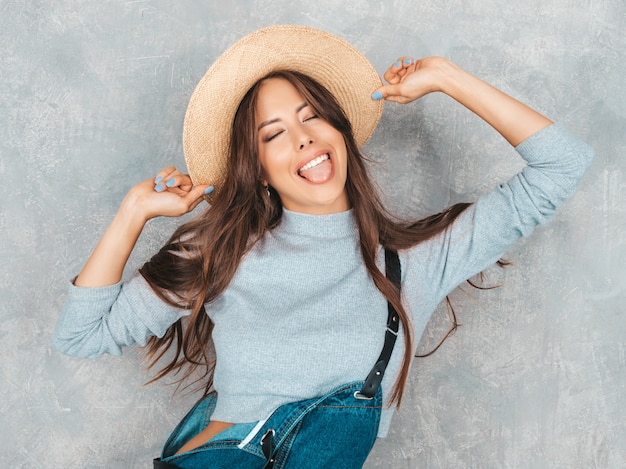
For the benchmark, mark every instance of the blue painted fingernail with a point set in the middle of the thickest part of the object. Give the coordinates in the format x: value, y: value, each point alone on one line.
x: 408, y: 61
x: 170, y: 182
x: 158, y: 179
x: 397, y: 64
x: 208, y: 190
x: 159, y: 188
x: 376, y: 95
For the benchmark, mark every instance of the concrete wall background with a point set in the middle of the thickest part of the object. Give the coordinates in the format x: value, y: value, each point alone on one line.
x: 92, y: 98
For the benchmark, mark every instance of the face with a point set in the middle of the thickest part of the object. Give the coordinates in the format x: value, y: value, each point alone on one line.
x: 302, y: 156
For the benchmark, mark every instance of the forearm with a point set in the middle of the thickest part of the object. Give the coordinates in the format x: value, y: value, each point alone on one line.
x: 106, y: 264
x: 411, y: 79
x: 514, y: 120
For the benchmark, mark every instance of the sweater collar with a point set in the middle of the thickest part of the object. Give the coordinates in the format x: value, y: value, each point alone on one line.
x: 334, y: 225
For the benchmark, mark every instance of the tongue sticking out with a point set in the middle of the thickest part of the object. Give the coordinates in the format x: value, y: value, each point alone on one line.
x: 319, y: 173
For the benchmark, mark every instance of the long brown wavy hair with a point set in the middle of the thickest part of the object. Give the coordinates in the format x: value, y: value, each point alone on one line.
x: 200, y: 259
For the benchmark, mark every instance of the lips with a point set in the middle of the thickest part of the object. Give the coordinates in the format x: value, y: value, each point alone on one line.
x: 314, y: 162
x: 317, y: 170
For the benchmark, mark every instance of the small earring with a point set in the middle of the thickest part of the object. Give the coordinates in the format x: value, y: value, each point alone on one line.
x: 267, y: 188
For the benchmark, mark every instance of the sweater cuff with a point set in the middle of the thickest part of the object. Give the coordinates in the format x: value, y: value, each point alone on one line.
x: 93, y: 294
x: 550, y: 144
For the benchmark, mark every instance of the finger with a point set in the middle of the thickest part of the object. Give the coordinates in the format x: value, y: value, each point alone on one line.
x: 398, y: 99
x: 390, y: 93
x: 178, y: 181
x: 407, y: 66
x: 399, y: 69
x: 172, y: 179
x: 196, y: 195
x: 161, y: 177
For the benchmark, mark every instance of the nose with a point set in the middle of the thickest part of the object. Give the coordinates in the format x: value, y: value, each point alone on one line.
x: 305, y: 143
x: 302, y: 138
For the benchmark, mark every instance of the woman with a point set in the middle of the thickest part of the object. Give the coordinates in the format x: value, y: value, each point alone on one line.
x: 282, y: 274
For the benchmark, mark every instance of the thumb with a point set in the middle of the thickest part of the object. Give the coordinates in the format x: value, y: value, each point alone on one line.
x: 390, y: 93
x: 196, y: 195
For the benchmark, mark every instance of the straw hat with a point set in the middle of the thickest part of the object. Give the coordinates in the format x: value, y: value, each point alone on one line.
x: 330, y: 60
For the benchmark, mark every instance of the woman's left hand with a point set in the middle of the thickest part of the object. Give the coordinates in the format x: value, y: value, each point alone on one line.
x: 410, y: 79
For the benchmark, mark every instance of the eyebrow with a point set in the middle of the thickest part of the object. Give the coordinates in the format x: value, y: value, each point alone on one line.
x: 272, y: 121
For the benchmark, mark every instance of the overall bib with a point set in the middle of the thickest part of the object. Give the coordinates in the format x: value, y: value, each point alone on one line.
x: 335, y: 430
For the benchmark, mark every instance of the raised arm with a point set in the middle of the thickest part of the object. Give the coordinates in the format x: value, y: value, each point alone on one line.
x: 556, y: 160
x: 169, y: 194
x: 411, y: 79
x: 110, y: 315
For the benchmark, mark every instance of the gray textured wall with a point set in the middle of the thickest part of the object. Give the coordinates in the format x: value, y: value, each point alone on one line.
x: 92, y: 98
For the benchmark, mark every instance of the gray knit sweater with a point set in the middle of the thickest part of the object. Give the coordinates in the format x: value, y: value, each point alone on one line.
x: 302, y: 315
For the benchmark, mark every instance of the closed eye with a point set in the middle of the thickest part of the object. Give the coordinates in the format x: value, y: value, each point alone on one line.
x: 271, y: 137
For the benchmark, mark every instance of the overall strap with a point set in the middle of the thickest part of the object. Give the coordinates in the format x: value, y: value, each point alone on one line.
x: 375, y: 377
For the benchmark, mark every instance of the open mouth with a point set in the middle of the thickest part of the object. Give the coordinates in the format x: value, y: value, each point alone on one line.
x: 317, y: 170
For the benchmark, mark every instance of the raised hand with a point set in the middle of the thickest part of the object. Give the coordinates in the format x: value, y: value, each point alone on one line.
x: 410, y: 79
x: 170, y: 194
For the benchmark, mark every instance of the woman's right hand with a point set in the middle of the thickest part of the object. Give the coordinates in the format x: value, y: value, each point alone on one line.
x: 170, y: 194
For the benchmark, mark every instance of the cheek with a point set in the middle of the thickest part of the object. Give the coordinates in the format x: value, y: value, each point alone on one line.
x: 274, y: 155
x: 270, y: 165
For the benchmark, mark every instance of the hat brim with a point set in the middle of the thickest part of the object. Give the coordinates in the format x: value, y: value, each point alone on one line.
x: 327, y: 58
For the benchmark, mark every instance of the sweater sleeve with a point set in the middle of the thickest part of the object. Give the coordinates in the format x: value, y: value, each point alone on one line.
x: 102, y: 320
x: 556, y: 161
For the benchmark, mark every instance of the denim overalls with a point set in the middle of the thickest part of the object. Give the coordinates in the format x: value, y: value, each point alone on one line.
x: 335, y: 430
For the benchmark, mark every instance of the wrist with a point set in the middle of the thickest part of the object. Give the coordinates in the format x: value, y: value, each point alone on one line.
x: 450, y: 77
x: 132, y: 211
